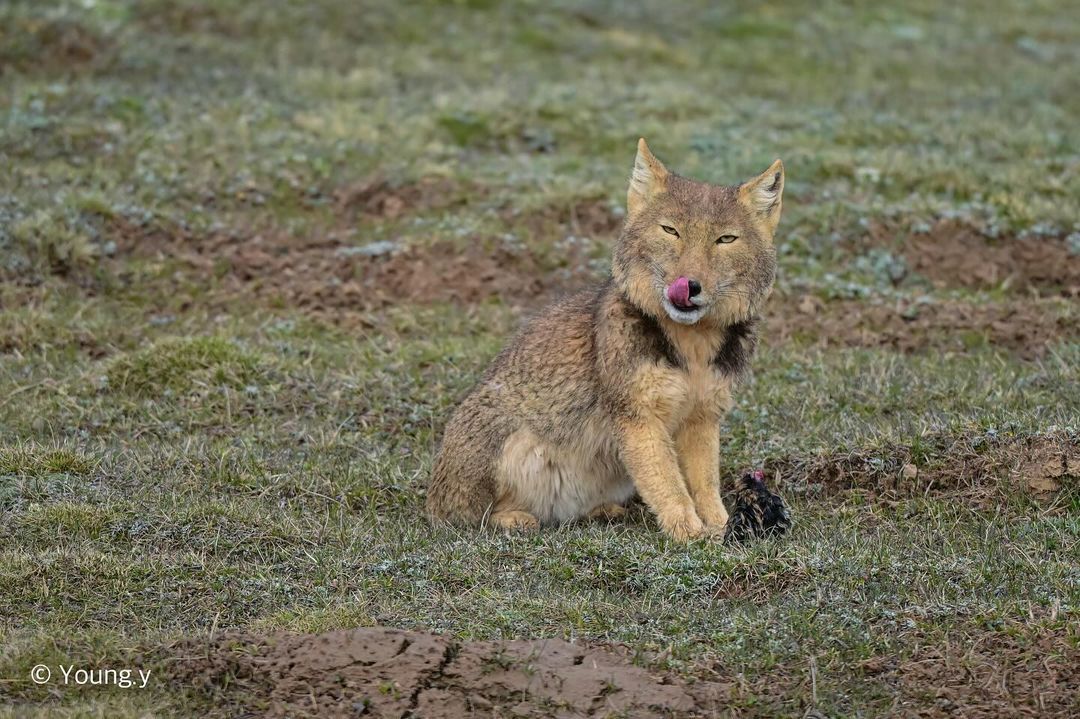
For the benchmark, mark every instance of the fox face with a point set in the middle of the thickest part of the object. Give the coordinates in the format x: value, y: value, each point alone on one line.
x: 695, y: 252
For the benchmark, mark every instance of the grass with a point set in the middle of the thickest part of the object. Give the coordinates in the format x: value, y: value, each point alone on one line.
x: 202, y: 430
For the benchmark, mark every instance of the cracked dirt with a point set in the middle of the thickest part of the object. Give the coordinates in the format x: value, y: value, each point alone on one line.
x: 383, y: 672
x: 380, y: 672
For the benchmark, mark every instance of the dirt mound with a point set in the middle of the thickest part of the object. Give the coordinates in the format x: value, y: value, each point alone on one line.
x: 979, y: 468
x: 1026, y: 327
x: 953, y: 254
x: 378, y: 672
x: 381, y: 672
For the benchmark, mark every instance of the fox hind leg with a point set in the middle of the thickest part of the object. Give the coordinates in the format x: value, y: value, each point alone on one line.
x: 515, y: 520
x: 607, y: 511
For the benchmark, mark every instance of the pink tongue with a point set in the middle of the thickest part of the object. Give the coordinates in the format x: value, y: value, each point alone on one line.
x: 679, y: 292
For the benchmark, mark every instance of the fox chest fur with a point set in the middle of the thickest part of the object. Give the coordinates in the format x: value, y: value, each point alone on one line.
x: 692, y: 389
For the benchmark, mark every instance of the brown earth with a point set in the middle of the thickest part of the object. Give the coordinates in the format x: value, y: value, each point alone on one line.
x: 348, y: 283
x: 592, y: 218
x: 1024, y: 326
x: 316, y: 278
x: 954, y: 254
x: 380, y: 672
x: 320, y: 276
x: 381, y: 198
x: 324, y: 276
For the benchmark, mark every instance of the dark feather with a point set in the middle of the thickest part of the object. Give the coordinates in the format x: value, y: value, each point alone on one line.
x: 756, y: 512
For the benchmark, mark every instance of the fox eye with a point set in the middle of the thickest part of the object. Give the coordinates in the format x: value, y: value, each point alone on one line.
x: 726, y: 239
x: 669, y: 230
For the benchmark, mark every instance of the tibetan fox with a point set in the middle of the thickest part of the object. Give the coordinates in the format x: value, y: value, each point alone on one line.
x: 620, y: 389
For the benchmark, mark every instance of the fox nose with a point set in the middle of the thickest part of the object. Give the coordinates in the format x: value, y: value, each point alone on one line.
x: 694, y: 287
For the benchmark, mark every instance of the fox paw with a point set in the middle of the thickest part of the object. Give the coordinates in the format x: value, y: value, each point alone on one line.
x: 607, y: 511
x: 515, y: 521
x: 715, y: 518
x: 715, y: 531
x: 684, y: 526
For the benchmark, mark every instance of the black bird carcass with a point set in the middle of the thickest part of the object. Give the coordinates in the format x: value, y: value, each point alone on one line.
x: 756, y: 512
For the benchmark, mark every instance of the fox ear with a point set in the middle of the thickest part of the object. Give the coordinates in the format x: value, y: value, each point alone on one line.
x: 648, y: 179
x: 764, y: 194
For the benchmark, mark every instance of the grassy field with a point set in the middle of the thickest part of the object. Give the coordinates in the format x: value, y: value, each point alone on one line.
x: 251, y: 254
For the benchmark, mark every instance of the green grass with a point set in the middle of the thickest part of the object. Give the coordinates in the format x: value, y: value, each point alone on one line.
x: 185, y: 451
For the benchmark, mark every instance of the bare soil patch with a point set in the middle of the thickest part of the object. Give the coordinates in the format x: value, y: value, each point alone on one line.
x: 587, y: 217
x: 953, y: 254
x: 343, y: 283
x: 380, y: 672
x: 321, y: 274
x: 1026, y: 327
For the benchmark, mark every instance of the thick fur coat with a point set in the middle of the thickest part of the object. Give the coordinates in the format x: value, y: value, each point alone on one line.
x: 621, y: 389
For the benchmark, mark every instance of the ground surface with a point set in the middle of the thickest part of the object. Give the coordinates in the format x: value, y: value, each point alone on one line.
x: 252, y: 253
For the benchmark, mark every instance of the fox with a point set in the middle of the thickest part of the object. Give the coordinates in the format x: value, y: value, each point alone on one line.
x: 620, y: 389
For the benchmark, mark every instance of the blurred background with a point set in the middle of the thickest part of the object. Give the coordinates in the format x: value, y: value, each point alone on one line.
x: 252, y: 254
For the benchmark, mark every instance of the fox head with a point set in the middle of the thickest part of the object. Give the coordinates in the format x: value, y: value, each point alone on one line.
x: 695, y: 252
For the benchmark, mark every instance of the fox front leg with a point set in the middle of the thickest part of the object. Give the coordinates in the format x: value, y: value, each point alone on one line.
x: 649, y: 456
x: 698, y: 447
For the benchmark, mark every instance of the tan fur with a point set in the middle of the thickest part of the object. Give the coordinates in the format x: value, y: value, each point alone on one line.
x: 560, y: 483
x: 610, y: 392
x: 515, y: 520
x: 607, y: 512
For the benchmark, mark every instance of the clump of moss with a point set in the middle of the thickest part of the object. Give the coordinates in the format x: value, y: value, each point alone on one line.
x: 177, y: 365
x: 44, y: 243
